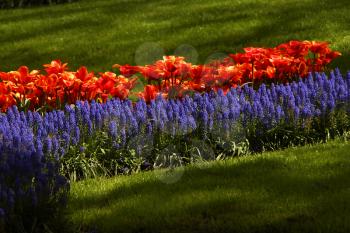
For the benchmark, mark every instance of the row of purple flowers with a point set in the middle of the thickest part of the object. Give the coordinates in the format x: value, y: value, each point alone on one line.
x: 32, y: 145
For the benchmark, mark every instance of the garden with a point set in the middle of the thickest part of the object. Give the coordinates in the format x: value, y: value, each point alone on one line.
x: 246, y: 134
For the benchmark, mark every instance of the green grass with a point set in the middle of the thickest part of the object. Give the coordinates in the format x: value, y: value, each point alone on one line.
x: 303, y: 189
x: 104, y: 32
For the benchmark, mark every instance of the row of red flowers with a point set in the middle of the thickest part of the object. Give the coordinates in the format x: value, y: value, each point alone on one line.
x: 172, y: 77
x: 34, y: 90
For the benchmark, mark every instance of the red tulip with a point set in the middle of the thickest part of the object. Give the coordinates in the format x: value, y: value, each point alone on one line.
x: 127, y: 70
x: 150, y: 93
x: 55, y: 67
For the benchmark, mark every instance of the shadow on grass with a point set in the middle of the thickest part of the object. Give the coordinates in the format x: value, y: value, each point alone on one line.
x: 277, y: 24
x: 260, y: 195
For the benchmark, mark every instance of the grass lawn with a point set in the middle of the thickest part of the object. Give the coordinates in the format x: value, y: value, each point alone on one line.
x: 100, y: 33
x: 303, y: 189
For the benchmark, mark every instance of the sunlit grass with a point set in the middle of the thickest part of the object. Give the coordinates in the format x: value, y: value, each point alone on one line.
x: 104, y: 32
x: 296, y: 190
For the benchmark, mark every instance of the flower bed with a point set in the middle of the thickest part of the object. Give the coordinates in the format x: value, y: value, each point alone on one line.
x: 98, y: 138
x: 186, y: 113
